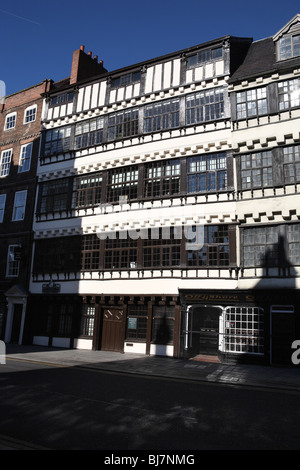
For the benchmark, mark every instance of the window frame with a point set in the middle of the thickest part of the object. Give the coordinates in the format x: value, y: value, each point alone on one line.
x: 139, y: 315
x: 25, y: 157
x: 126, y: 79
x: 291, y: 38
x: 87, y: 190
x: 12, y: 266
x: 213, y: 252
x: 286, y: 90
x: 162, y: 178
x: 10, y: 121
x: 122, y: 183
x: 86, y: 135
x: 61, y: 98
x: 162, y: 115
x: 204, y: 56
x: 58, y: 140
x: 30, y: 116
x: 19, y: 206
x: 120, y: 252
x: 244, y: 330
x: 249, y: 106
x: 123, y: 124
x: 251, y: 170
x: 291, y: 164
x: 90, y: 253
x: 213, y: 176
x: 163, y: 324
x: 57, y: 255
x: 5, y: 166
x: 162, y: 248
x: 205, y: 106
x: 87, y: 320
x: 57, y: 200
x: 2, y: 206
x: 271, y: 245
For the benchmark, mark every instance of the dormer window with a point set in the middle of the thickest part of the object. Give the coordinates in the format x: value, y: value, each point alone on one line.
x: 289, y: 47
x: 287, y: 40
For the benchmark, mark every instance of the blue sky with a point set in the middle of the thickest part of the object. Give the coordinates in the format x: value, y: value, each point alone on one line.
x: 38, y: 38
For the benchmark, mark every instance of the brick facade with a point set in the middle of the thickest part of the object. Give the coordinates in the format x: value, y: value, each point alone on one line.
x: 18, y: 233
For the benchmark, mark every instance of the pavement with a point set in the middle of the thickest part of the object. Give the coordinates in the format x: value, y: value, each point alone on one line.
x: 204, y: 369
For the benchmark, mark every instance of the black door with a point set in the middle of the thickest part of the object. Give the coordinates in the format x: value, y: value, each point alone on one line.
x: 16, y: 325
x: 204, y: 330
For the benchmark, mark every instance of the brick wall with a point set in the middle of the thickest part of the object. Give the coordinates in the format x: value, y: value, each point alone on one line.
x: 19, y: 232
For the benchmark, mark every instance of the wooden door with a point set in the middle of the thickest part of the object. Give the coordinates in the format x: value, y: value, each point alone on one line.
x: 113, y: 330
x: 16, y: 326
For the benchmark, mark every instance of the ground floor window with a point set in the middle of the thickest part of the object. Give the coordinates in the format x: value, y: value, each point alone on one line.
x: 137, y: 322
x: 163, y: 324
x: 244, y: 330
x: 87, y: 320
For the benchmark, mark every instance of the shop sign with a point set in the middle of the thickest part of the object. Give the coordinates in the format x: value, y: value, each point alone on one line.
x: 217, y: 298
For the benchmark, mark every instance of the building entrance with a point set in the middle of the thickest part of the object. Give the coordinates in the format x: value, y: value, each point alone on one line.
x: 16, y: 324
x: 112, y: 338
x: 204, y: 330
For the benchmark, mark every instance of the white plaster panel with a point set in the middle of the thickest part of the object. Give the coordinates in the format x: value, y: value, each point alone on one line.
x: 157, y: 77
x: 189, y: 76
x: 120, y: 94
x: 50, y: 114
x: 95, y: 91
x: 137, y: 348
x: 62, y: 110
x: 102, y: 93
x: 219, y: 67
x: 149, y: 79
x: 209, y: 70
x: 56, y: 112
x: 112, y: 96
x: 167, y: 75
x: 198, y: 74
x: 80, y: 100
x: 128, y: 92
x: 176, y: 72
x: 87, y: 97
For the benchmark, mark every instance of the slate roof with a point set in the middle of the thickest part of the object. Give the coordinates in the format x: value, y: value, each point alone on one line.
x: 261, y: 61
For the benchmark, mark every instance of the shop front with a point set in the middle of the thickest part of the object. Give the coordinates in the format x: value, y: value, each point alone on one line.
x: 239, y: 326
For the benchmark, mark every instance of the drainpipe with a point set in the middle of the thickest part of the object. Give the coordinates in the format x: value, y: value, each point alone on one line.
x: 186, y: 333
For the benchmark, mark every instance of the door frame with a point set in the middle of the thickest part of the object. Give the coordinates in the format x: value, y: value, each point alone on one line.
x: 122, y: 324
x: 14, y: 296
x: 188, y: 327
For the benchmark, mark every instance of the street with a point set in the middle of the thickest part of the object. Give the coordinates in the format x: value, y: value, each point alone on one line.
x: 74, y: 408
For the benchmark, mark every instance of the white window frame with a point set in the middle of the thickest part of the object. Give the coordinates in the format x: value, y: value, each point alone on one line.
x: 12, y: 265
x: 8, y: 117
x: 5, y: 166
x: 244, y: 330
x: 19, y: 206
x: 2, y: 206
x: 25, y: 157
x: 288, y: 47
x: 30, y: 117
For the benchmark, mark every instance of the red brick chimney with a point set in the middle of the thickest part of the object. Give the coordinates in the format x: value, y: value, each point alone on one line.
x: 84, y: 66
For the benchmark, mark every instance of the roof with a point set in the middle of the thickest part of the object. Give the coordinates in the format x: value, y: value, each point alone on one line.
x: 261, y: 58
